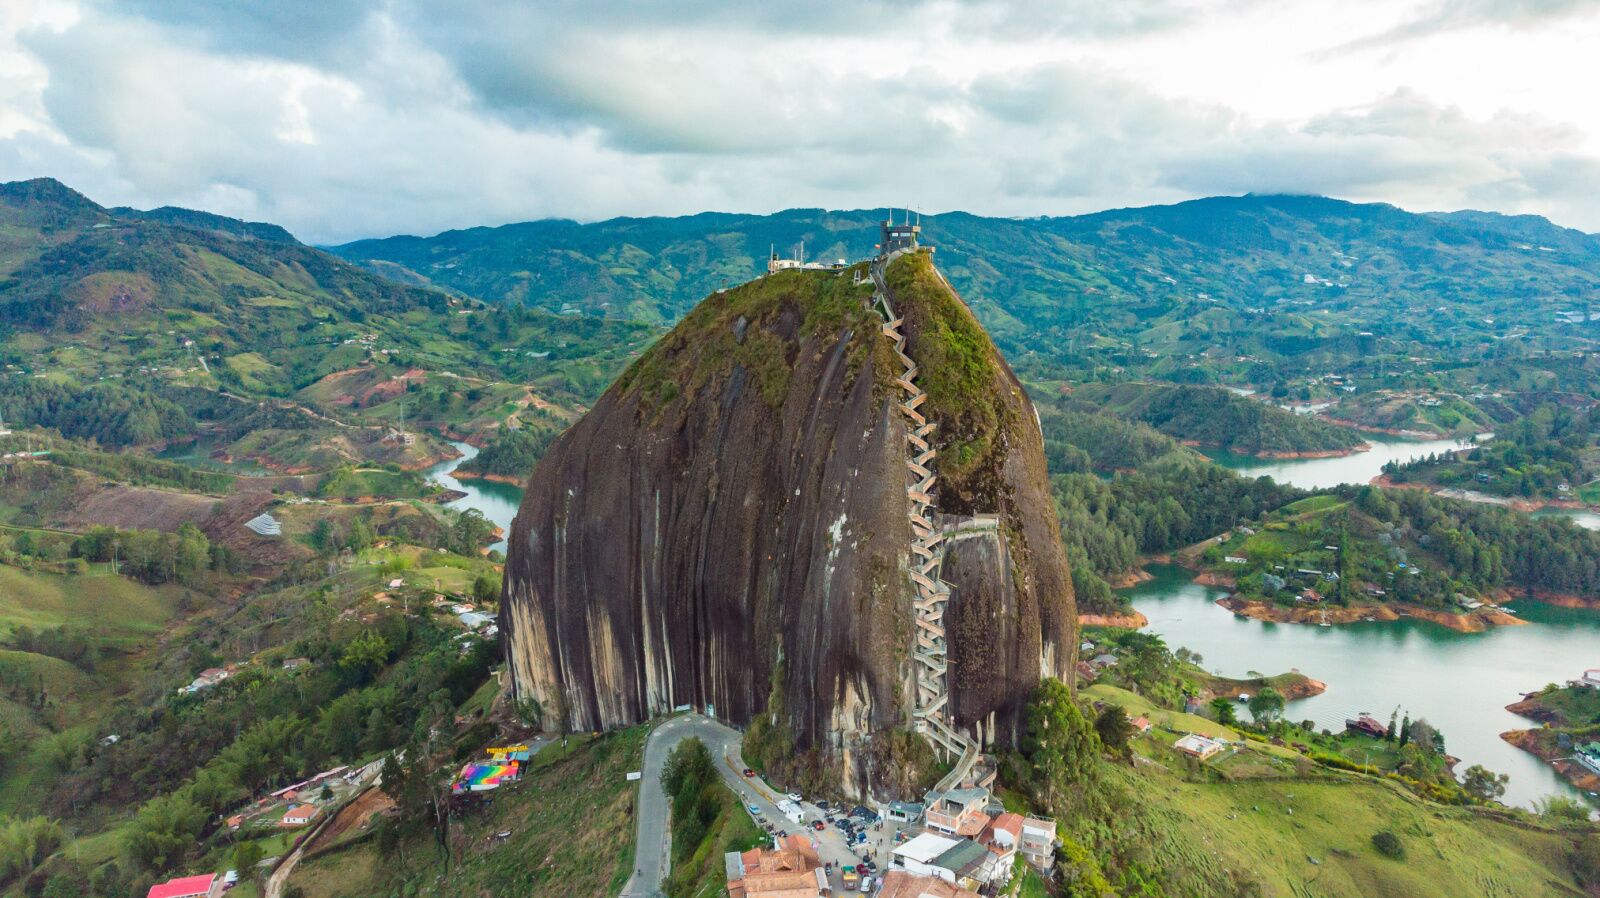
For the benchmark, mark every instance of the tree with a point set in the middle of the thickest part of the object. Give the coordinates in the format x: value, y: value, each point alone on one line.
x: 1059, y: 742
x: 1222, y: 707
x: 1266, y: 706
x: 1484, y: 784
x: 1115, y: 729
x: 246, y: 856
x: 1562, y: 808
x: 164, y: 830
x: 25, y: 843
x: 1388, y: 844
x: 486, y: 588
x: 365, y: 655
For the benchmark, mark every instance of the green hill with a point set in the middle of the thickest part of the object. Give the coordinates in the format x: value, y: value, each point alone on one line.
x: 1214, y: 418
x: 1439, y: 323
x: 133, y: 328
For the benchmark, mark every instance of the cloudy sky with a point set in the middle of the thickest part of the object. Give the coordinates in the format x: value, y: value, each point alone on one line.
x: 342, y: 119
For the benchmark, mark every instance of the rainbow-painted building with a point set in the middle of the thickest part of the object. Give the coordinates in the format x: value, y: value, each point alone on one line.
x: 481, y: 776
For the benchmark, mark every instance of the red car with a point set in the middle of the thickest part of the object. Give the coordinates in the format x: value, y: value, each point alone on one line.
x: 817, y: 825
x: 749, y: 772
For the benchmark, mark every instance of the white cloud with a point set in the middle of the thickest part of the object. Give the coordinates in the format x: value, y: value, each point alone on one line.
x: 345, y: 119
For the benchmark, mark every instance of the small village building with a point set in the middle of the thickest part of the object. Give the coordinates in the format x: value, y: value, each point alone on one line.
x: 967, y: 864
x: 1101, y: 662
x: 919, y: 854
x: 1367, y: 725
x: 1591, y: 677
x: 1235, y: 559
x: 905, y: 884
x: 789, y: 870
x: 299, y: 815
x: 1005, y: 831
x: 208, y: 678
x: 205, y: 886
x: 1198, y: 746
x: 903, y: 811
x: 1142, y: 724
x: 292, y: 664
x: 1038, y: 845
x: 959, y: 811
x: 1588, y: 755
x: 790, y: 809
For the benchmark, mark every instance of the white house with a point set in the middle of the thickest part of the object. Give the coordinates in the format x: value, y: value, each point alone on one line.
x: 918, y: 855
x: 1591, y: 677
x: 1199, y: 746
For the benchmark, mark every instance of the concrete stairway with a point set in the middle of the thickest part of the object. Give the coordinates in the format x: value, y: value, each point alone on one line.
x: 930, y: 710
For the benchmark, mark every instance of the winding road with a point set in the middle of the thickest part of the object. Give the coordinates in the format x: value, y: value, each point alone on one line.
x: 652, y: 856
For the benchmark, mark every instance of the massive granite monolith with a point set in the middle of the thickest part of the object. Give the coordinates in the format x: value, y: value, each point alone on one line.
x: 727, y: 528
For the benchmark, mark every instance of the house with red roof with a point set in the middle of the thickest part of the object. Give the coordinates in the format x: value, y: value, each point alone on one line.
x: 299, y: 815
x: 206, y: 886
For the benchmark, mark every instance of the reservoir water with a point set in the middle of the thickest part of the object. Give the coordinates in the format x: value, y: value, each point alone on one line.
x: 1461, y: 682
x: 1321, y: 473
x: 498, y: 501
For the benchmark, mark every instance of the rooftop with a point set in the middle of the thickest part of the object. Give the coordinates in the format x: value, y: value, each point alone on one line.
x: 925, y: 848
x: 962, y: 858
x: 182, y: 888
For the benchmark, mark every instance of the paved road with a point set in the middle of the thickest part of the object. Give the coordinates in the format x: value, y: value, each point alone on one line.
x: 652, y: 848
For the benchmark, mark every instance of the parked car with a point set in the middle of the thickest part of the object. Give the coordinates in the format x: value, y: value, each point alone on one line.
x: 818, y: 826
x: 756, y: 810
x: 794, y: 797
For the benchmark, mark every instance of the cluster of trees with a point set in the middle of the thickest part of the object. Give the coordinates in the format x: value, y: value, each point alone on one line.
x: 143, y: 470
x: 1077, y: 440
x: 698, y: 796
x: 109, y: 414
x: 1173, y: 502
x: 24, y: 844
x: 513, y: 453
x: 1530, y: 457
x: 154, y: 556
x: 70, y: 644
x: 370, y: 689
x: 1212, y: 416
x: 1488, y: 546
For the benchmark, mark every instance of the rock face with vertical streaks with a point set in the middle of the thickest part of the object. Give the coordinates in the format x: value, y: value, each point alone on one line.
x: 727, y: 528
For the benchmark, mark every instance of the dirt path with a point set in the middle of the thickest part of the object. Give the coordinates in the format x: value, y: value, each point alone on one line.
x: 372, y: 776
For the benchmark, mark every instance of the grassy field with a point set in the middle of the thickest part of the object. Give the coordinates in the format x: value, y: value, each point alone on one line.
x: 571, y: 825
x: 111, y: 605
x: 1302, y: 830
x: 1302, y: 837
x: 1175, y: 721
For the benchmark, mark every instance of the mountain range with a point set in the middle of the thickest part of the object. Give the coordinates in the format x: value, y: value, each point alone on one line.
x: 1275, y: 277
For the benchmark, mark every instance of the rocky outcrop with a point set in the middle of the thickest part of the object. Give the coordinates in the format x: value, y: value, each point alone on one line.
x: 729, y: 526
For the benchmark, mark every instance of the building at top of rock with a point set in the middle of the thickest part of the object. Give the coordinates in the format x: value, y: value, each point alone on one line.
x: 731, y: 527
x: 899, y: 237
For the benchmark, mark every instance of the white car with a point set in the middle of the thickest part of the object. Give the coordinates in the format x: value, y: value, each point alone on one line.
x: 794, y: 797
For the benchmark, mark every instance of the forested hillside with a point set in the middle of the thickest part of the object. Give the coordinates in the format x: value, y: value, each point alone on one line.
x: 1214, y: 418
x: 1399, y: 321
x: 151, y: 328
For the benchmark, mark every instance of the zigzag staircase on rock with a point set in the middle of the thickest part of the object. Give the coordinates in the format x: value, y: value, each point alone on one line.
x: 930, y: 710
